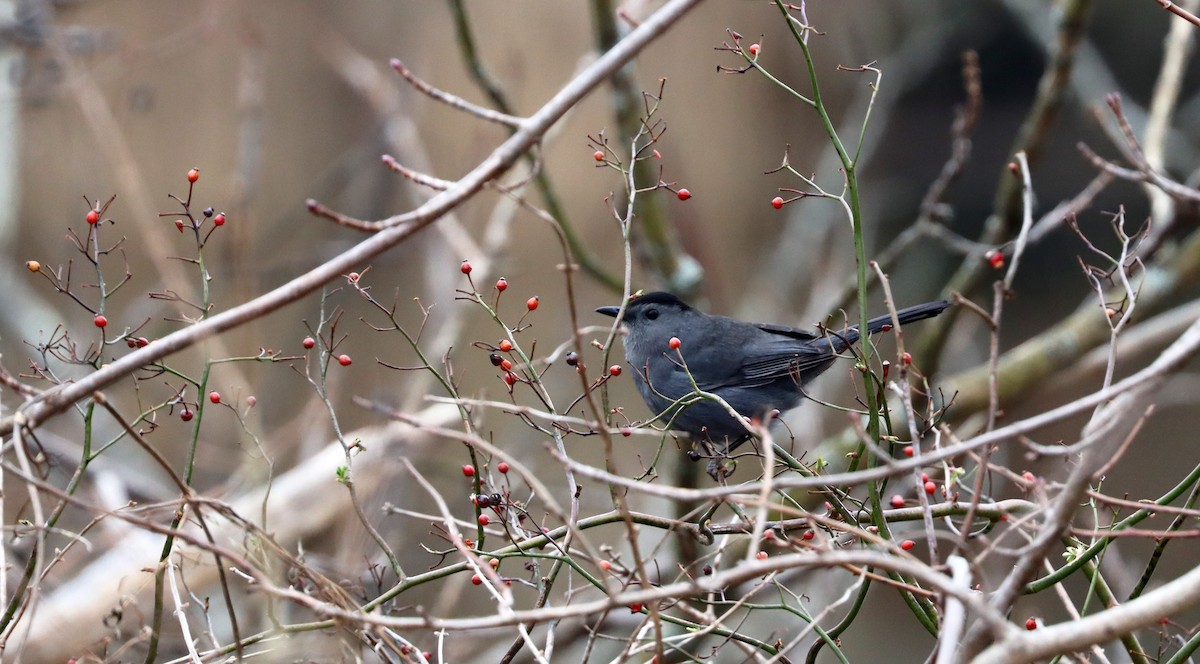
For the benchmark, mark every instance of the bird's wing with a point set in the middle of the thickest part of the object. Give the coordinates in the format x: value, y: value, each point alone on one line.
x: 775, y: 352
x: 787, y: 352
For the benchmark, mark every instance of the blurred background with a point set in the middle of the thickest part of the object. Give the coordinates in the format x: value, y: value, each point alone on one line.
x: 276, y: 102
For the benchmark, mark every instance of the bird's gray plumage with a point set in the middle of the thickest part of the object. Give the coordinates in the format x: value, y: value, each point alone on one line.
x: 756, y: 368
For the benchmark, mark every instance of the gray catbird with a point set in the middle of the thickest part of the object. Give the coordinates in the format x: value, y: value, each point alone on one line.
x: 756, y: 368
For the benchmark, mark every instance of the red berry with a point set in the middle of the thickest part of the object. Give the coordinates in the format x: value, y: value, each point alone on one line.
x: 309, y: 342
x: 510, y: 378
x: 897, y: 501
x: 142, y: 342
x: 1031, y: 624
x: 777, y: 202
x: 93, y: 217
x: 930, y: 487
x: 251, y: 401
x: 501, y: 284
x: 344, y: 360
x: 1028, y: 476
x: 754, y: 49
x: 100, y: 320
x: 907, y: 357
x: 502, y: 467
x: 995, y: 259
x: 532, y: 303
x: 614, y: 370
x: 179, y: 225
x: 468, y: 470
x: 762, y: 555
x: 598, y: 155
x: 131, y: 342
x: 907, y: 545
x: 684, y: 194
x: 674, y: 343
x: 484, y: 519
x: 214, y: 397
x: 505, y: 365
x: 219, y: 220
x: 626, y: 431
x: 466, y: 267
x: 193, y: 175
x: 186, y: 415
x: 808, y: 534
x: 636, y: 607
x: 476, y: 580
x: 505, y: 346
x: 605, y: 565
x: 1013, y: 168
x: 656, y: 154
x: 908, y: 450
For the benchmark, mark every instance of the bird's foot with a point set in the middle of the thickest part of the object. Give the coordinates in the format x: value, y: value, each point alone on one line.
x: 721, y: 467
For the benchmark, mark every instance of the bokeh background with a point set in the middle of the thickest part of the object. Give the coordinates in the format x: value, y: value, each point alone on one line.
x: 277, y: 102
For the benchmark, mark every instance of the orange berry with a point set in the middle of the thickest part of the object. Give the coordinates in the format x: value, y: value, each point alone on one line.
x: 505, y: 346
x: 598, y: 155
x: 193, y: 175
x: 762, y: 555
x: 33, y: 266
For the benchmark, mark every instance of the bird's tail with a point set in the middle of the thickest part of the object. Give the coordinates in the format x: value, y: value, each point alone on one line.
x: 905, y: 315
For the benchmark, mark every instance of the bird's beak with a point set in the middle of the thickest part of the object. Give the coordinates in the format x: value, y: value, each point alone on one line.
x: 609, y: 311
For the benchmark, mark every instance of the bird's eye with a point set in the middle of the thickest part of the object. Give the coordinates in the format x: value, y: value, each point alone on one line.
x: 652, y: 313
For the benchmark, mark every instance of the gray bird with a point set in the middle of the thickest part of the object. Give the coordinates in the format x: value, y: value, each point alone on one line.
x: 756, y: 368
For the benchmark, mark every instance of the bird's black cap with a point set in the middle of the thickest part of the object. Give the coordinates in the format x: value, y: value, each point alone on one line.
x: 656, y: 297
